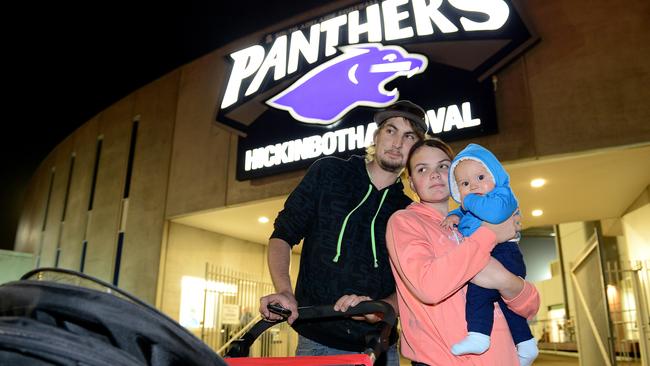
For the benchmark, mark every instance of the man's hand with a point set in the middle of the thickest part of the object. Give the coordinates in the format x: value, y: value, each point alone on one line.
x: 450, y: 222
x: 286, y: 300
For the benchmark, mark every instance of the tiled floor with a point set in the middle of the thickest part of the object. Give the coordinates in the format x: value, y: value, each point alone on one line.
x: 555, y: 360
x: 552, y: 360
x: 542, y: 360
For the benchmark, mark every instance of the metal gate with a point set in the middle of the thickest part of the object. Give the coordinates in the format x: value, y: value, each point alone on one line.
x: 627, y: 293
x: 230, y: 307
x: 594, y: 332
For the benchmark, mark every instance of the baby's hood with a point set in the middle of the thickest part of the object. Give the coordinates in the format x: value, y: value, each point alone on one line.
x: 483, y: 156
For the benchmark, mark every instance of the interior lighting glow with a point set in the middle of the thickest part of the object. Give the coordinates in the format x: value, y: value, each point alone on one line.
x: 537, y: 182
x: 195, y: 293
x: 537, y: 213
x: 612, y: 293
x: 263, y: 219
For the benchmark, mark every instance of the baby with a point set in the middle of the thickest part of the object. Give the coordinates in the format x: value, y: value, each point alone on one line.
x: 480, y: 184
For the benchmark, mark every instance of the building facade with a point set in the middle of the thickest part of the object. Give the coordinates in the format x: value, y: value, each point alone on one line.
x: 126, y: 196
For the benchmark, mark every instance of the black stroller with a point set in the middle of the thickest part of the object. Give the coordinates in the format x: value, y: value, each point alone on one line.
x: 61, y: 317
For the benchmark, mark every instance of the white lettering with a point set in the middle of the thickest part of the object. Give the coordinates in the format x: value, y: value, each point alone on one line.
x: 392, y: 19
x: 331, y: 29
x: 246, y: 62
x: 287, y: 52
x: 370, y: 134
x: 277, y: 58
x: 453, y: 118
x: 248, y: 160
x: 340, y: 134
x: 348, y: 139
x: 372, y: 25
x: 467, y: 116
x: 496, y: 10
x: 437, y: 120
x: 449, y: 117
x: 309, y: 147
x: 281, y: 150
x: 329, y: 143
x: 356, y: 139
x: 269, y: 151
x: 425, y: 14
x: 259, y: 158
x: 295, y: 148
x: 312, y: 146
x: 300, y: 46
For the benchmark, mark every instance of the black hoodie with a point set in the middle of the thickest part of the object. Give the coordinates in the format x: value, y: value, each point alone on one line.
x: 340, y: 213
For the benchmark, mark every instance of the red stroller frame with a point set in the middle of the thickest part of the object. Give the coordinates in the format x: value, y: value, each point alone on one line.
x: 376, y: 341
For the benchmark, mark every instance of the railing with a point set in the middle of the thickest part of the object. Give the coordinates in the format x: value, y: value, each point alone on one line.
x: 221, y: 351
x: 627, y: 285
x: 230, y: 307
x: 627, y: 295
x: 555, y: 334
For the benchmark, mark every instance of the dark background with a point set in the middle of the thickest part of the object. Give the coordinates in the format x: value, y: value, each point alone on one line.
x: 65, y: 62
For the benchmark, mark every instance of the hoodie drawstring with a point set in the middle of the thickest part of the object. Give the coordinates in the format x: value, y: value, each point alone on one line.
x: 372, y: 229
x: 345, y: 222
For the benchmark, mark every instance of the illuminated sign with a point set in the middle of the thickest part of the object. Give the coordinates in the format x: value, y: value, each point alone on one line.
x: 348, y: 139
x: 311, y: 90
x: 285, y: 51
x: 342, y: 140
x: 357, y: 77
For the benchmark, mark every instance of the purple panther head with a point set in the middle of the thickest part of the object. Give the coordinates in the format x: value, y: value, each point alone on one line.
x: 355, y: 78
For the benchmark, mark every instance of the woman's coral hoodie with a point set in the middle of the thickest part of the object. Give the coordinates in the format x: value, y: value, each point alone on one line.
x: 432, y: 269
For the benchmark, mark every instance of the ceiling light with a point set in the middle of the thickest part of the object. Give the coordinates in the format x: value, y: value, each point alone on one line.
x: 537, y: 213
x: 537, y: 182
x: 263, y: 219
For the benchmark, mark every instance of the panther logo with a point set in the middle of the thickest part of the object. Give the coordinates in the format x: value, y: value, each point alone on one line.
x: 355, y: 78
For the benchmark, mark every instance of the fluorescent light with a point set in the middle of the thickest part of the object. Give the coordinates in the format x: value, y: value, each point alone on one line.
x: 263, y: 219
x: 537, y: 182
x: 537, y: 213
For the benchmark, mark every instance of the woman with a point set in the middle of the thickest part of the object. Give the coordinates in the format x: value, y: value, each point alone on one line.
x: 432, y: 266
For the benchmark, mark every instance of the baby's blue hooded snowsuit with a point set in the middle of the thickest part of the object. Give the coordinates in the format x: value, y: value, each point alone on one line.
x: 494, y: 207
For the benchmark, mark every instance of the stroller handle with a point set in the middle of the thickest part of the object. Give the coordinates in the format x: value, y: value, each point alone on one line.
x: 364, y: 307
x: 376, y: 342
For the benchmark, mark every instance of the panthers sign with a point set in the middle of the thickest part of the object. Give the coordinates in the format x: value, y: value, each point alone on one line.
x: 311, y: 90
x: 346, y: 80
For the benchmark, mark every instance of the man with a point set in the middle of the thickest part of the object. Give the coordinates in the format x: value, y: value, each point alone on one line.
x: 341, y: 208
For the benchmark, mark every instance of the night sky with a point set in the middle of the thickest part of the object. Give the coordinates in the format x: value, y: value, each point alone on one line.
x: 65, y: 63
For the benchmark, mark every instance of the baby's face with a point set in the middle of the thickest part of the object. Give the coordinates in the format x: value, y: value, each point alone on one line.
x: 472, y: 177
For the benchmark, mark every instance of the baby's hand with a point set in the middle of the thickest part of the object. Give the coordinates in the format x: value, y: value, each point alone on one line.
x: 450, y: 221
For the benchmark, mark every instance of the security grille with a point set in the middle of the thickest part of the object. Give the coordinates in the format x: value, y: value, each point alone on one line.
x: 230, y: 307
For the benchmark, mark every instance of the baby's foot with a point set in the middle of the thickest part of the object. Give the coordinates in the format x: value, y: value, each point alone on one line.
x: 475, y: 343
x: 527, y: 352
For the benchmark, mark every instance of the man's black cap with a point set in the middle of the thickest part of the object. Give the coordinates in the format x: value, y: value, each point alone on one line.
x: 406, y: 109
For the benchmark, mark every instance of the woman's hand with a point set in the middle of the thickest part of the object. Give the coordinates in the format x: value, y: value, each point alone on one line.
x: 450, y: 222
x: 495, y: 276
x: 506, y: 230
x: 350, y: 301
